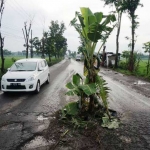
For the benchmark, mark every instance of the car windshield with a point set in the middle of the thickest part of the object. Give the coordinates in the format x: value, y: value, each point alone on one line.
x: 23, y: 66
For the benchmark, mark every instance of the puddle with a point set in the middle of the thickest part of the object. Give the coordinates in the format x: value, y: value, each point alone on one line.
x: 41, y: 118
x: 13, y: 126
x: 37, y: 142
x: 139, y: 83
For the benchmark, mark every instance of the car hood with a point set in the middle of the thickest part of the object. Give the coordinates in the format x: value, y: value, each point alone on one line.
x: 19, y: 74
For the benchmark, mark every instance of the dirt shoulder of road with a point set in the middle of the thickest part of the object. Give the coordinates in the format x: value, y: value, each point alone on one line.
x: 65, y: 137
x: 139, y: 84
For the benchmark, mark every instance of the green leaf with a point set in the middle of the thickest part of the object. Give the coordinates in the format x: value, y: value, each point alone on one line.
x: 89, y: 89
x: 94, y: 37
x: 70, y: 93
x: 99, y: 16
x: 76, y: 79
x: 85, y: 13
x: 71, y: 108
x: 92, y: 19
x: 69, y: 85
x: 113, y: 18
x: 81, y: 19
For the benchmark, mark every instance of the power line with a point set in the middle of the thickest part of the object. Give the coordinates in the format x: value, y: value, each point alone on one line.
x: 5, y: 32
x: 21, y: 8
x: 16, y: 10
x: 15, y: 38
x: 10, y: 26
x: 12, y: 29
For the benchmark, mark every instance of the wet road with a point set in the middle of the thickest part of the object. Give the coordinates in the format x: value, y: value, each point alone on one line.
x: 24, y: 116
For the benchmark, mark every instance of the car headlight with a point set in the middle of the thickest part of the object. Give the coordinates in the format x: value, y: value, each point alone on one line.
x: 31, y: 78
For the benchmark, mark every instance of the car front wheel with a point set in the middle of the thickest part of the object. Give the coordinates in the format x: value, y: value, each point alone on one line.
x: 37, y: 90
x: 48, y: 79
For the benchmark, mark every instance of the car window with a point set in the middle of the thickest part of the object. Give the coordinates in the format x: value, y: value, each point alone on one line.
x: 23, y: 66
x: 43, y: 64
x: 40, y: 65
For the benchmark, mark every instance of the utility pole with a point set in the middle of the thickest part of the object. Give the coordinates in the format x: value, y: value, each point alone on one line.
x: 1, y: 38
x: 26, y: 34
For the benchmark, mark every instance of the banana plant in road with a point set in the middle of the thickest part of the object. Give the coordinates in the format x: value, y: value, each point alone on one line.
x: 92, y: 28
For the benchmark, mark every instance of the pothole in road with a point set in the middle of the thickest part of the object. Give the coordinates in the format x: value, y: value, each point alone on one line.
x: 37, y: 142
x: 41, y: 118
x: 13, y: 126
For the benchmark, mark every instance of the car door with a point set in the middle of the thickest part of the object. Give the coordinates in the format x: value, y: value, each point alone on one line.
x: 45, y: 74
x: 46, y: 67
x: 41, y: 72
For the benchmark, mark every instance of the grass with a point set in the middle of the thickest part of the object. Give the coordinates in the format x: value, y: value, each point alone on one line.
x: 9, y: 60
x: 140, y: 72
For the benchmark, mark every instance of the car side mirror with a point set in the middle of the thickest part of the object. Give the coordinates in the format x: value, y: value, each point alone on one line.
x: 41, y: 69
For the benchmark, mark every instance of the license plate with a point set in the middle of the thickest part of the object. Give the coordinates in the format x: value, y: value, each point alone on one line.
x: 15, y: 84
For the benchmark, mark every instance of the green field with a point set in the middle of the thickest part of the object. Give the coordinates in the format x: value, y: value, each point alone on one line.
x: 10, y: 60
x: 141, y: 71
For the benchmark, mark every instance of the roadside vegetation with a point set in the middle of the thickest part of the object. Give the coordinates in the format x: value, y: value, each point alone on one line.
x: 141, y: 64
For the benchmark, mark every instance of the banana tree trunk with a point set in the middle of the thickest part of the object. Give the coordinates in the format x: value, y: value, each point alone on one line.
x: 92, y: 78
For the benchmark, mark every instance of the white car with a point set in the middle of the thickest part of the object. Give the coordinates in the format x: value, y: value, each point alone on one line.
x: 26, y: 75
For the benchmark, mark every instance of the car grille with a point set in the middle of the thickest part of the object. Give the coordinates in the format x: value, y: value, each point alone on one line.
x: 16, y: 80
x: 16, y: 87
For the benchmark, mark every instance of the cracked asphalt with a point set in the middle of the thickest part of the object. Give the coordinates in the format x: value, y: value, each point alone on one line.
x: 24, y: 116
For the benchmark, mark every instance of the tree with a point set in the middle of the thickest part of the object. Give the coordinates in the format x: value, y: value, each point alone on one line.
x: 130, y: 6
x: 26, y: 33
x: 56, y: 31
x: 2, y: 38
x: 118, y: 5
x: 147, y: 50
x: 50, y: 48
x: 92, y: 27
x: 6, y: 52
x: 36, y: 44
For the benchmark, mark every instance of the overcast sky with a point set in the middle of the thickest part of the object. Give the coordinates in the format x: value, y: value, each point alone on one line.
x: 17, y: 12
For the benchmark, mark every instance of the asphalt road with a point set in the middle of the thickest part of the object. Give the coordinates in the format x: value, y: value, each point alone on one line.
x: 23, y: 116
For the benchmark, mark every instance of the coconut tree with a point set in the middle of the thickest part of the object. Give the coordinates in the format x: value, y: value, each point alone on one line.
x: 91, y: 27
x: 131, y: 6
